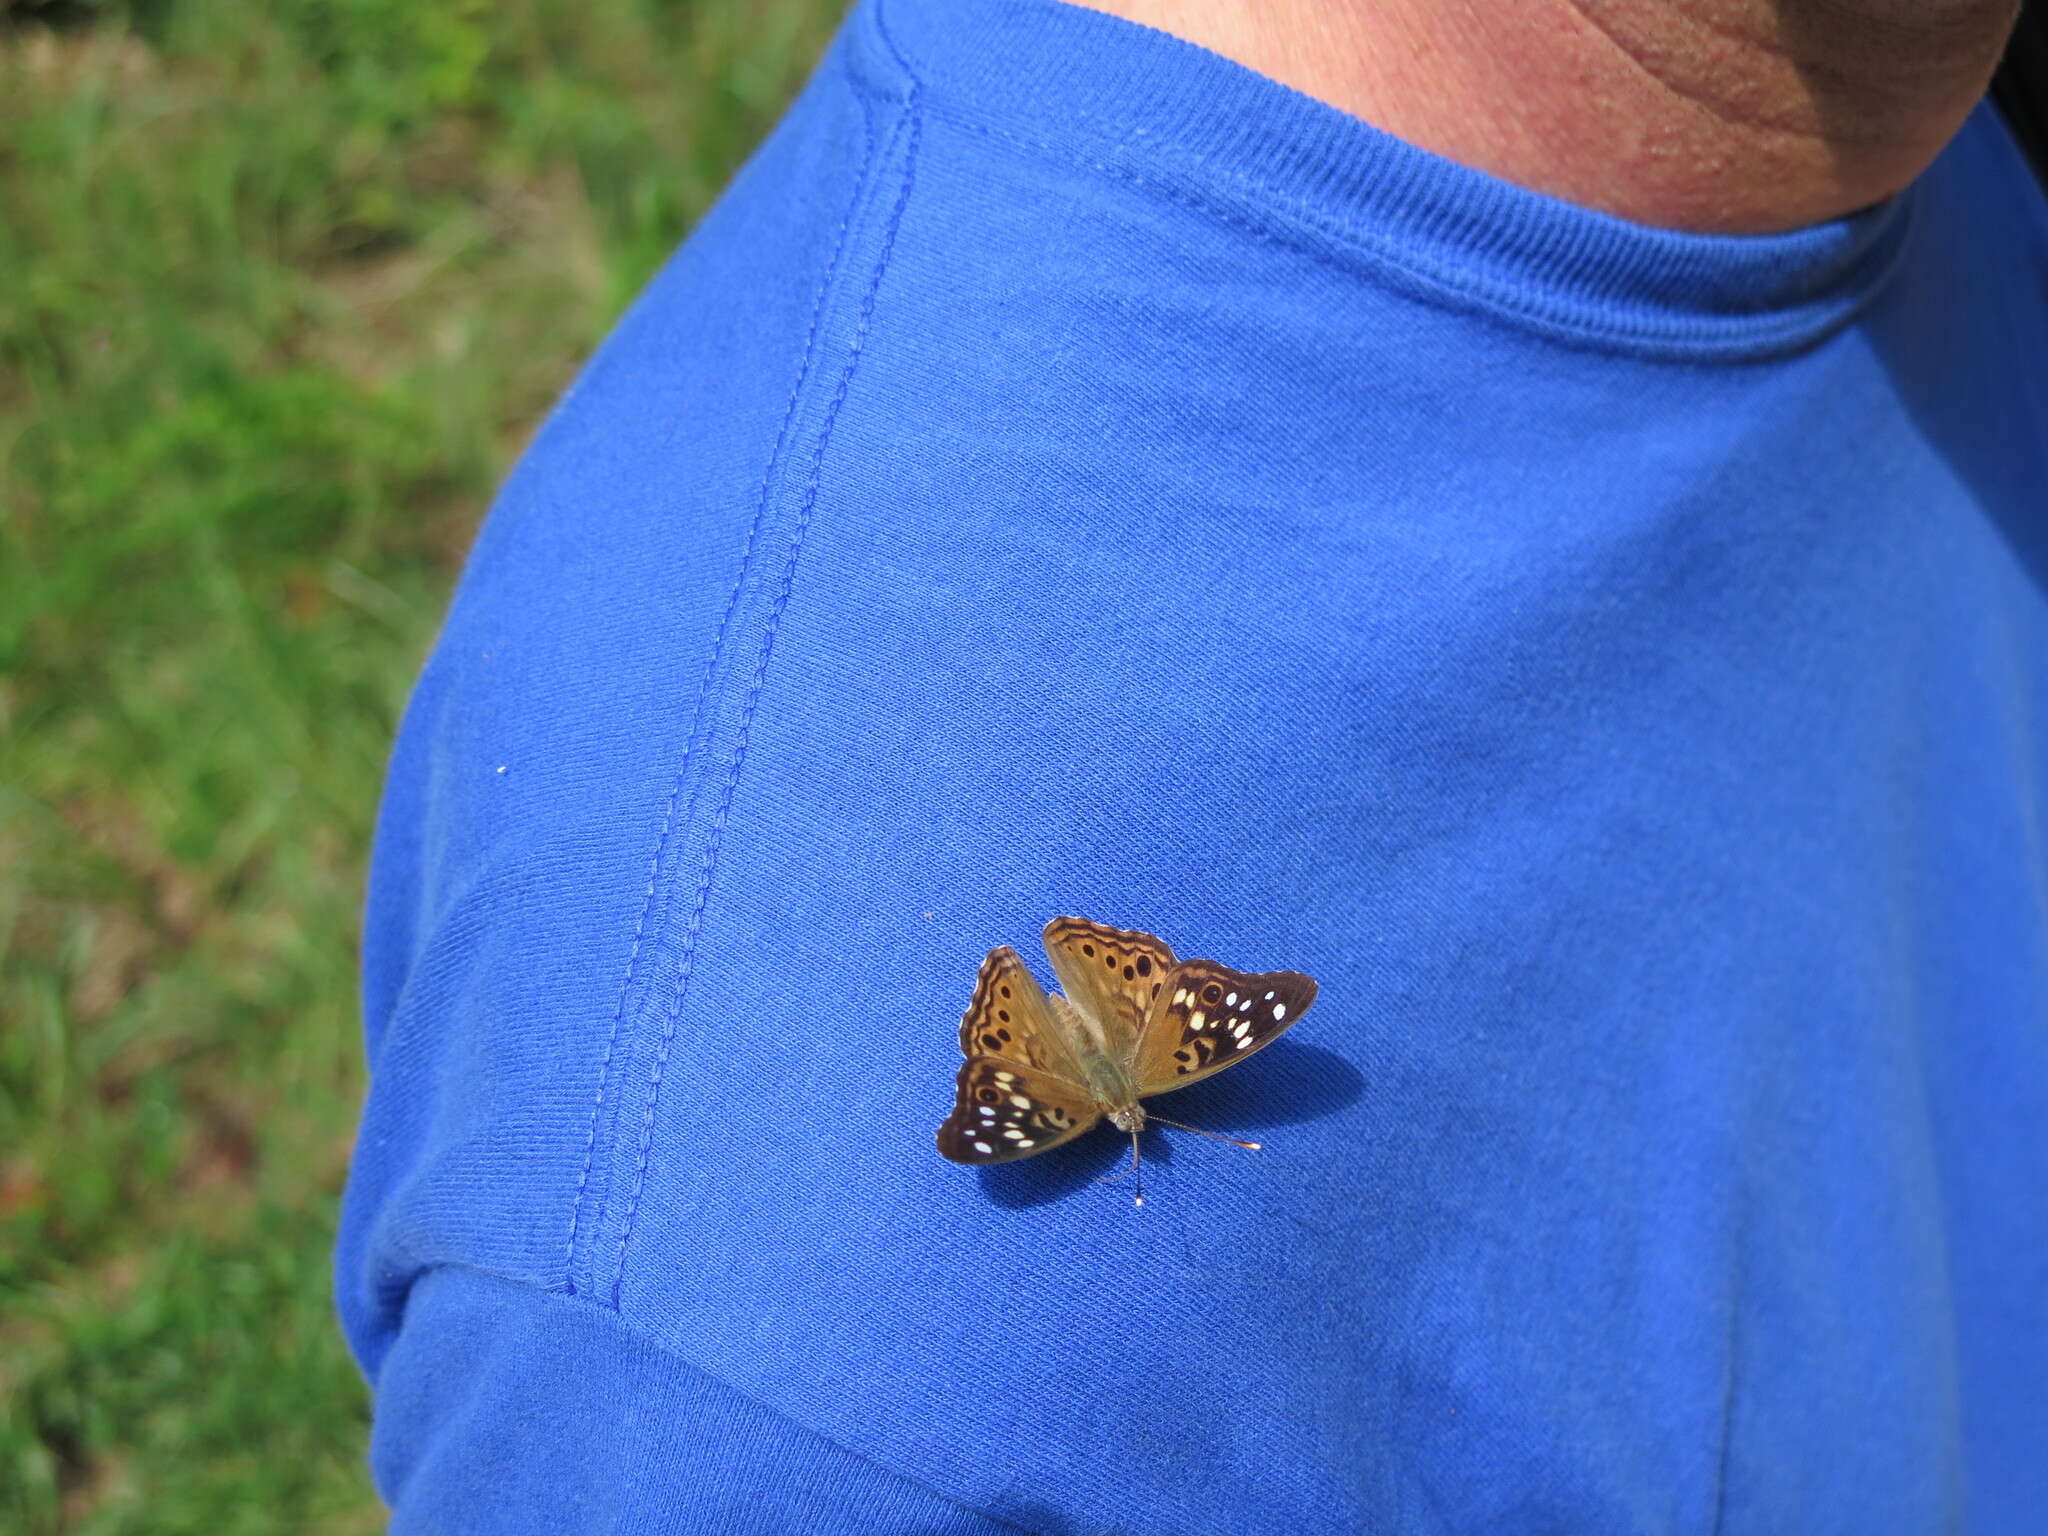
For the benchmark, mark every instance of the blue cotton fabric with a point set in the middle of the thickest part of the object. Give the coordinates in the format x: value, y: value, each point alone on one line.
x: 1069, y: 473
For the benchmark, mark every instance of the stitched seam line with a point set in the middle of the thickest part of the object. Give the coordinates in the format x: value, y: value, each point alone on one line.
x: 806, y: 509
x: 1481, y: 301
x: 647, y: 1341
x: 691, y: 747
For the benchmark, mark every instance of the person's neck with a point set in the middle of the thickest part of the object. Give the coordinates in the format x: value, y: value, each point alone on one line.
x: 1719, y: 116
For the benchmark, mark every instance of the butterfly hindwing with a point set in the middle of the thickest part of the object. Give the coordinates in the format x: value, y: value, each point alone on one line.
x: 1209, y: 1017
x: 1004, y: 1110
x: 1113, y: 975
x: 1012, y: 1018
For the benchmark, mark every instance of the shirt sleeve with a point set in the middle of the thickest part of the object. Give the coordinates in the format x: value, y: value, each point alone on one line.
x: 501, y: 1408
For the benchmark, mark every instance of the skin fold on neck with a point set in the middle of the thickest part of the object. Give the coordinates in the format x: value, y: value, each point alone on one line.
x: 1714, y: 116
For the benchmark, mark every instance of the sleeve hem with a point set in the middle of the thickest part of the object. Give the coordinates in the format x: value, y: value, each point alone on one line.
x: 506, y: 1409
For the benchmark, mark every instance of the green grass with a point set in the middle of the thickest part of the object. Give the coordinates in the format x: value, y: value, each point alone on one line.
x: 283, y: 286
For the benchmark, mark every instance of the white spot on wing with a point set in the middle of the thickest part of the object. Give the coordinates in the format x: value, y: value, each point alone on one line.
x: 982, y: 1146
x: 1279, y: 1012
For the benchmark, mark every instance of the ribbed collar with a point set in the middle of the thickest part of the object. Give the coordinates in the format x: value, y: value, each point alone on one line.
x: 1145, y: 105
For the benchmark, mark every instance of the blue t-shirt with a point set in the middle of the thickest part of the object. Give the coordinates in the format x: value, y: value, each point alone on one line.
x: 1070, y: 473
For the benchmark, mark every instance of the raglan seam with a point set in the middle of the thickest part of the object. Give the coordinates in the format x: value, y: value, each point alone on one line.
x: 692, y: 748
x: 910, y: 129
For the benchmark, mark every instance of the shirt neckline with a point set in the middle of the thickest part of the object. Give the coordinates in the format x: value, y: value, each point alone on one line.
x: 1155, y: 109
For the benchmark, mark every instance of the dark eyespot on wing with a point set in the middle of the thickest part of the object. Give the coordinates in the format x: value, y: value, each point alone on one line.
x: 1010, y: 1017
x: 1108, y: 973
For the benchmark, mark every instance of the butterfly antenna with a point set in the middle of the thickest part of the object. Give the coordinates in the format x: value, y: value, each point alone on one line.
x: 1249, y: 1146
x: 1136, y: 1165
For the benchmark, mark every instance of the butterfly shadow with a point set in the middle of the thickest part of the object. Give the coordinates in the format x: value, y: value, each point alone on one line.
x: 1285, y: 1084
x: 1036, y: 1180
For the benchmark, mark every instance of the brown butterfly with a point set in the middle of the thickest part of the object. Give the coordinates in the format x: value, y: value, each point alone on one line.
x: 1134, y: 1022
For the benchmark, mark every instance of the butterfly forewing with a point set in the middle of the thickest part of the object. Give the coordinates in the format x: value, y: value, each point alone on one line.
x: 1011, y: 1017
x: 1004, y: 1111
x: 1113, y: 975
x: 1209, y: 1017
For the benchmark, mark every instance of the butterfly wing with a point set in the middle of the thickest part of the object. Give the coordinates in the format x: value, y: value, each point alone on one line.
x: 1004, y: 1111
x: 1011, y: 1018
x: 1209, y: 1017
x: 1113, y: 975
x: 1017, y: 1093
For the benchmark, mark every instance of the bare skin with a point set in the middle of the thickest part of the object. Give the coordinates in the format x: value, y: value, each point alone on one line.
x: 1718, y: 116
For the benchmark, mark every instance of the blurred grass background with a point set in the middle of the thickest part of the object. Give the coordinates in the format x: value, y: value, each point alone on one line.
x: 283, y: 288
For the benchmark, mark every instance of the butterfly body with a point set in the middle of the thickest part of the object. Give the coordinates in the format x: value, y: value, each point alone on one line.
x: 1107, y: 1079
x: 1134, y: 1022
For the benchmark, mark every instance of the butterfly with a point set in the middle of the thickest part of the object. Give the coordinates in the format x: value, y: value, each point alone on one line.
x: 1042, y: 1069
